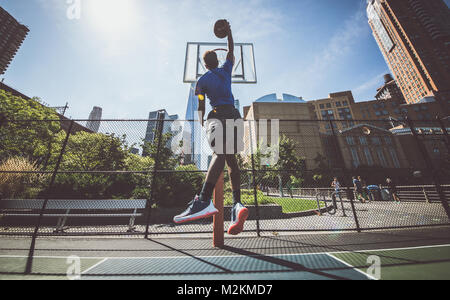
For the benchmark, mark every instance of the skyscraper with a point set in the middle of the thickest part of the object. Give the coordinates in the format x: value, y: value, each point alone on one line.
x: 237, y: 105
x: 12, y: 35
x: 414, y: 37
x: 390, y: 90
x: 94, y: 119
x: 196, y: 150
x: 152, y: 126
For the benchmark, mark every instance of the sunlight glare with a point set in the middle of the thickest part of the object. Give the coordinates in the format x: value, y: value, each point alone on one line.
x: 116, y: 17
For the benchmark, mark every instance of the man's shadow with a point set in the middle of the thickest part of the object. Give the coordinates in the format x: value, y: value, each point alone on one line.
x: 281, y: 262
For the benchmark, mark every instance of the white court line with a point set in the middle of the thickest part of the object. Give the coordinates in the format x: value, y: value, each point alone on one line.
x: 95, y: 265
x: 352, y: 267
x: 234, y: 256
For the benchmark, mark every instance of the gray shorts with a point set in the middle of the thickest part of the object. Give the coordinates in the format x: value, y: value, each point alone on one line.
x: 225, y: 130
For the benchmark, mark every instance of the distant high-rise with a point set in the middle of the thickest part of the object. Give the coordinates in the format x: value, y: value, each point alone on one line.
x: 152, y: 126
x: 94, y: 119
x: 196, y: 151
x: 414, y: 37
x: 390, y: 90
x: 12, y: 35
x: 237, y: 105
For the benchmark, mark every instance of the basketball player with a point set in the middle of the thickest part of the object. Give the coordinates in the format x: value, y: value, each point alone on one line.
x: 216, y: 85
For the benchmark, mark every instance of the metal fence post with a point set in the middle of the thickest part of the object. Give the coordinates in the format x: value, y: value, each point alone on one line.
x: 255, y: 192
x: 159, y: 130
x: 430, y: 166
x: 218, y: 226
x: 351, y: 197
x: 445, y: 133
x: 29, y: 265
x: 427, y: 200
x: 350, y: 193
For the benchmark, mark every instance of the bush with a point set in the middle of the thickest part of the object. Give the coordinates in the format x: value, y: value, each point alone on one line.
x: 14, y: 185
x: 247, y: 197
x: 178, y: 189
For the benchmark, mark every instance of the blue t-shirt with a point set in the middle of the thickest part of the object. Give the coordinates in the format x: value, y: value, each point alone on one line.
x: 216, y: 85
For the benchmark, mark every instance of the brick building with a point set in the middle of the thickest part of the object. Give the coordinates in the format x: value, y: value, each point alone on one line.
x: 12, y: 35
x: 414, y: 37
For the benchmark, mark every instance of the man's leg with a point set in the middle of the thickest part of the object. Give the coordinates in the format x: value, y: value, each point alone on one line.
x: 235, y: 176
x: 202, y: 206
x: 239, y: 212
x: 215, y: 169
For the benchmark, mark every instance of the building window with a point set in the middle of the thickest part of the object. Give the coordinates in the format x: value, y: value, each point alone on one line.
x: 355, y: 157
x: 345, y: 103
x: 338, y: 104
x: 382, y: 158
x: 322, y: 106
x: 328, y: 105
x: 376, y: 140
x: 350, y: 140
x: 368, y: 155
x: 388, y: 140
x: 363, y: 140
x: 394, y: 157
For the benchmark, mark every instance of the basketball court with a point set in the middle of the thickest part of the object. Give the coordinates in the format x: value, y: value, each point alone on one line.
x: 400, y: 254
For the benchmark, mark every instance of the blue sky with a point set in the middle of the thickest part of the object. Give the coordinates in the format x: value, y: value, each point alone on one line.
x: 127, y: 56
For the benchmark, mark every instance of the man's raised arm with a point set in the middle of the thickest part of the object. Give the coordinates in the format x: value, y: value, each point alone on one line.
x: 230, y: 55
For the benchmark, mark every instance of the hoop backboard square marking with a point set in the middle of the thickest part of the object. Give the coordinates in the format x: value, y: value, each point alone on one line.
x: 244, y: 70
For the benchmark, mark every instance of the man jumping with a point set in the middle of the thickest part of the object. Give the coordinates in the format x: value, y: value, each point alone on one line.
x: 216, y: 85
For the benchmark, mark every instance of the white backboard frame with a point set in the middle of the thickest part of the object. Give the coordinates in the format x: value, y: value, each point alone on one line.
x: 244, y: 70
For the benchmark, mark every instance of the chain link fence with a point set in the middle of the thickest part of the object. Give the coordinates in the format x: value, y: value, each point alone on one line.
x: 131, y: 177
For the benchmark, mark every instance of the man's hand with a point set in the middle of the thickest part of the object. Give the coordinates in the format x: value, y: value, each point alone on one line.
x: 228, y: 26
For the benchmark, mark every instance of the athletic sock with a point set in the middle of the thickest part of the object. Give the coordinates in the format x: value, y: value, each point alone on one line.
x: 207, y: 191
x: 236, y: 197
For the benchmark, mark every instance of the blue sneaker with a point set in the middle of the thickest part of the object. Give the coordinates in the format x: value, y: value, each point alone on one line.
x: 196, y: 210
x: 239, y: 215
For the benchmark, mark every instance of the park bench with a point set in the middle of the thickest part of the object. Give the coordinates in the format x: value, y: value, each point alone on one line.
x: 62, y: 209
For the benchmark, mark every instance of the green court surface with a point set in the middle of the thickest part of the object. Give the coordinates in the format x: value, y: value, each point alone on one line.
x: 424, y: 262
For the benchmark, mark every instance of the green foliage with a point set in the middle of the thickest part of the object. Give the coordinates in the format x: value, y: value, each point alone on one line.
x: 176, y: 189
x: 289, y: 205
x: 247, y: 197
x: 289, y: 164
x: 30, y: 139
x: 41, y: 142
x: 296, y: 182
x: 94, y: 152
x: 99, y: 152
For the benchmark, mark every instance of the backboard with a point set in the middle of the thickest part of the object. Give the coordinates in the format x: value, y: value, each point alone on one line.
x: 244, y: 70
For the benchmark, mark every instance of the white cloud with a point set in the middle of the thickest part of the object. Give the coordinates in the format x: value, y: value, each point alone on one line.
x: 370, y: 85
x: 341, y: 43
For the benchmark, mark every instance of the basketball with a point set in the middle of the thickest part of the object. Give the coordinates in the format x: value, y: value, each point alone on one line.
x: 221, y: 29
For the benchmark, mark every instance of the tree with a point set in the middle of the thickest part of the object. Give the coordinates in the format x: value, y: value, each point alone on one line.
x: 22, y: 137
x: 289, y: 165
x: 93, y: 152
